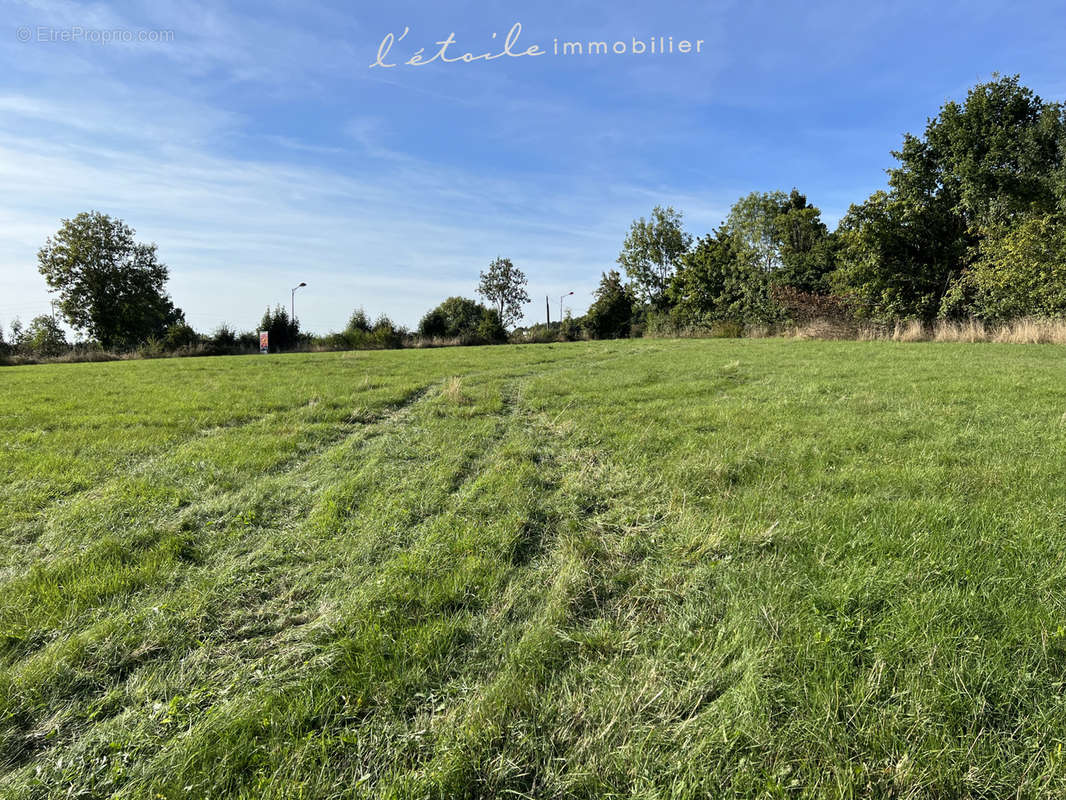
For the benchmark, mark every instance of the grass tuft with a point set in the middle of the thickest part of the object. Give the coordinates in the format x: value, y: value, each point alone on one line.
x: 452, y: 391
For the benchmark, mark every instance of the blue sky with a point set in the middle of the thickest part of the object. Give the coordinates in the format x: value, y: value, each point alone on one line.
x: 258, y: 148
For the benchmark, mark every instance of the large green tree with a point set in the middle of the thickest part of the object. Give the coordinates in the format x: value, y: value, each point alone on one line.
x: 503, y: 285
x: 109, y: 285
x: 896, y: 258
x: 981, y: 167
x: 783, y: 236
x: 720, y: 281
x: 807, y: 251
x: 652, y: 251
x: 752, y: 226
x: 992, y: 158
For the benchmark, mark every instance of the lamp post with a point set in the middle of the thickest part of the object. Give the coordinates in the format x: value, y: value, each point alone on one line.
x: 292, y: 301
x: 561, y: 305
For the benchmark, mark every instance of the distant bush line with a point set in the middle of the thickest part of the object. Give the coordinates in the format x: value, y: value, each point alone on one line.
x: 1028, y: 330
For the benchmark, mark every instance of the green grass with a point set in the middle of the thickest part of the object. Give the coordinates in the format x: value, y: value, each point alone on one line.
x: 650, y: 569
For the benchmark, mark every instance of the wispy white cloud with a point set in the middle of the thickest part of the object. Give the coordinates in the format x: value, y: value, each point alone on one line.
x: 237, y: 231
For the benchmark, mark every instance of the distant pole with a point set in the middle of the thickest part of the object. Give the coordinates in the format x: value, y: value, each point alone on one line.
x: 53, y: 311
x: 561, y: 305
x: 548, y: 310
x: 292, y: 301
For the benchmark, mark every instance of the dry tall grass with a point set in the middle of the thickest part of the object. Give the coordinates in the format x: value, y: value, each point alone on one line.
x: 969, y: 331
x: 1032, y: 331
x: 909, y: 331
x: 452, y: 391
x: 1028, y: 330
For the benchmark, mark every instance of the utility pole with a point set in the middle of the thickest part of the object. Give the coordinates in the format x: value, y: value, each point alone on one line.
x: 548, y: 310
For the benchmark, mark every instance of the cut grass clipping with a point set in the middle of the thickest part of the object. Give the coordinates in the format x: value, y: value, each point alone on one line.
x: 686, y: 569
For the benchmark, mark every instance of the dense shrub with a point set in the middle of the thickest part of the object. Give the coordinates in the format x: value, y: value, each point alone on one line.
x: 801, y: 307
x: 571, y: 328
x: 1020, y: 271
x: 384, y: 333
x: 463, y: 320
x: 248, y: 342
x: 718, y: 282
x: 180, y: 336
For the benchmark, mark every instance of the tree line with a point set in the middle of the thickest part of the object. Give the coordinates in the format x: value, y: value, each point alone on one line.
x: 972, y: 225
x: 111, y: 289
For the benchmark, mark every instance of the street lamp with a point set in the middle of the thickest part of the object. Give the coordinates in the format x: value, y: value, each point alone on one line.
x: 292, y: 301
x: 561, y: 305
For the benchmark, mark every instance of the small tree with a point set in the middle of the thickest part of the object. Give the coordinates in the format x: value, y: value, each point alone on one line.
x: 16, y: 333
x: 611, y: 314
x: 652, y: 251
x: 503, y: 285
x: 180, y: 336
x: 359, y: 321
x: 387, y: 334
x: 44, y: 337
x: 224, y: 336
x: 109, y: 285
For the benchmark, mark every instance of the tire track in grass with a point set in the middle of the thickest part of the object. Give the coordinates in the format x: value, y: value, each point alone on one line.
x: 45, y: 684
x: 587, y: 617
x: 236, y: 382
x: 411, y: 637
x: 421, y: 593
x: 146, y: 465
x: 61, y: 495
x: 166, y: 538
x: 467, y: 475
x: 397, y: 416
x: 152, y: 470
x: 58, y: 497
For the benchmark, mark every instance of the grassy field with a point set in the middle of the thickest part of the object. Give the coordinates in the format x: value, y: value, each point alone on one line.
x: 650, y: 569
